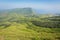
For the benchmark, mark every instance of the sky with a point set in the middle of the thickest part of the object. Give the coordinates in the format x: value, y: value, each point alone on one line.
x: 46, y: 5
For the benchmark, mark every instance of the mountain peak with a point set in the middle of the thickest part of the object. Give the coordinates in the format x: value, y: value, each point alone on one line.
x: 20, y: 11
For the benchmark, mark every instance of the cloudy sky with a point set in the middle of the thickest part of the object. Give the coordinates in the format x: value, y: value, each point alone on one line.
x: 47, y: 5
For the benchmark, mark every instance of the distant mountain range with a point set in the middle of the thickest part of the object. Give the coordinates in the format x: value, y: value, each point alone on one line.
x: 26, y: 11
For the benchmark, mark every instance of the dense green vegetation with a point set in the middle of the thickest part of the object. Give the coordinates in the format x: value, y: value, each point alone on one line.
x: 24, y: 24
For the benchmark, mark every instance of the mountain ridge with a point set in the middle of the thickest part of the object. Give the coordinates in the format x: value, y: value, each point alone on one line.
x: 22, y: 11
x: 26, y: 11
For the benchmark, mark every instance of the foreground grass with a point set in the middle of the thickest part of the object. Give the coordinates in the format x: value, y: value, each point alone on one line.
x: 21, y: 32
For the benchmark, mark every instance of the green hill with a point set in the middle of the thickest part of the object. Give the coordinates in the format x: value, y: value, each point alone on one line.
x: 24, y: 24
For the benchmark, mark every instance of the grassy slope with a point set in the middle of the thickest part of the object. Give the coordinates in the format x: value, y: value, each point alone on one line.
x: 21, y: 32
